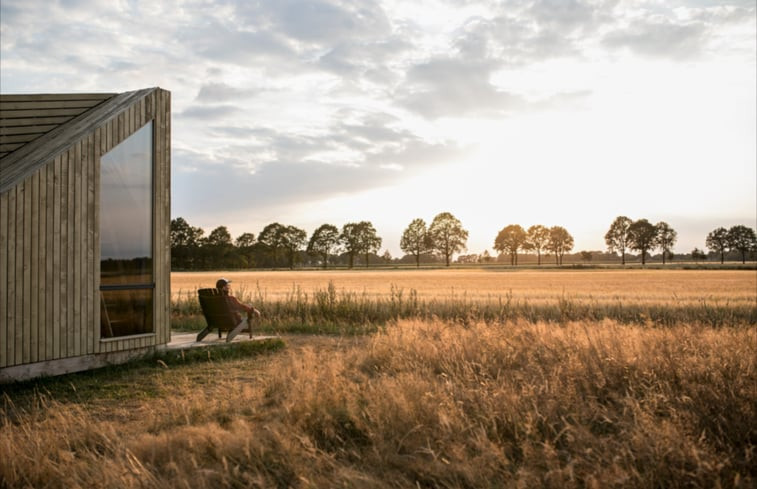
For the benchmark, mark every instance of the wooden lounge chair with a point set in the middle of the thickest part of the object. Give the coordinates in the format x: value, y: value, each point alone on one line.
x: 218, y: 314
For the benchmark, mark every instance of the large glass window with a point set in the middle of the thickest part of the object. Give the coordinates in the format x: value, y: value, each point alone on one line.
x: 126, y: 237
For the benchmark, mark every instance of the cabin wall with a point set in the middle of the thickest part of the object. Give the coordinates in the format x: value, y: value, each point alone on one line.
x: 49, y: 247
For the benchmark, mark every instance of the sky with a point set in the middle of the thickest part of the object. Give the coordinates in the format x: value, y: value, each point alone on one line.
x: 549, y: 112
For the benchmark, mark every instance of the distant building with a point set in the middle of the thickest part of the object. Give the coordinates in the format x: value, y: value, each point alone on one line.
x: 84, y: 230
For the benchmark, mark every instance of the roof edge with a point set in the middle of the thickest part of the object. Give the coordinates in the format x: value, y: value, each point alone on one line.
x: 58, y: 140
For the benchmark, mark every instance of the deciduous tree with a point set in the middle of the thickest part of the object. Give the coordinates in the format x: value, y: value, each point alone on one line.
x: 271, y: 238
x: 245, y: 240
x: 537, y: 238
x: 560, y: 242
x: 697, y: 254
x: 245, y: 243
x: 642, y: 236
x: 510, y: 239
x: 616, y: 237
x: 292, y: 240
x: 185, y: 243
x: 324, y: 242
x: 359, y: 238
x: 415, y: 240
x: 666, y: 238
x: 447, y: 235
x: 742, y: 239
x: 717, y: 241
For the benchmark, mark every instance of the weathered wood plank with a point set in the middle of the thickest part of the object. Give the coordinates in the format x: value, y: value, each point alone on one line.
x: 25, y: 97
x: 26, y: 129
x: 4, y: 261
x: 25, y: 285
x: 69, y: 254
x: 18, y: 328
x: 41, y: 265
x: 92, y: 143
x: 26, y: 113
x: 75, y: 251
x: 18, y: 138
x: 49, y: 260
x: 102, y: 131
x: 7, y: 148
x: 10, y: 338
x: 8, y: 105
x: 33, y: 121
x: 32, y: 221
x: 57, y: 268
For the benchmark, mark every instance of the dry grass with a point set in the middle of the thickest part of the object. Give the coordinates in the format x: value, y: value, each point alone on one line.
x: 349, y: 302
x: 420, y: 404
x: 637, y: 286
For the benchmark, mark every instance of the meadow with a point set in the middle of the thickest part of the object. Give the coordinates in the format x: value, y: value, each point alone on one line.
x: 431, y: 379
x: 345, y: 301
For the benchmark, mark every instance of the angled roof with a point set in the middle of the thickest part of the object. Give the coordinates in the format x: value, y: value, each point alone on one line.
x: 35, y: 128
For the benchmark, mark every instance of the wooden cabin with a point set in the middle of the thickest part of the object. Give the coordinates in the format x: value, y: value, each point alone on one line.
x: 84, y: 230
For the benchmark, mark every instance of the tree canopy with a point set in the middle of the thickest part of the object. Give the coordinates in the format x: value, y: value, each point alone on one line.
x: 717, y: 241
x: 560, y: 242
x: 537, y: 238
x: 324, y: 242
x: 617, y: 238
x: 742, y: 239
x: 510, y: 239
x: 447, y: 235
x: 359, y: 238
x: 666, y: 238
x: 415, y: 240
x: 642, y: 236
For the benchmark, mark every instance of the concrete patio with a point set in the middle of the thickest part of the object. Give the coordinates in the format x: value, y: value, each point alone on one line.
x: 183, y: 340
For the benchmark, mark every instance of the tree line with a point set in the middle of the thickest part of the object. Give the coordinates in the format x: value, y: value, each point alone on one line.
x: 279, y: 245
x: 643, y: 236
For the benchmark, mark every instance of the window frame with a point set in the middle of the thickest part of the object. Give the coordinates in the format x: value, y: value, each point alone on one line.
x: 151, y: 285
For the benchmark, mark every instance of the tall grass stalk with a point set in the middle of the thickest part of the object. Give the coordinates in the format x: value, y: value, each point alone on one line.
x: 422, y: 404
x: 351, y: 312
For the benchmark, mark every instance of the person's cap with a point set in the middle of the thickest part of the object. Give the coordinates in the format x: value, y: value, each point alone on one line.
x: 222, y: 282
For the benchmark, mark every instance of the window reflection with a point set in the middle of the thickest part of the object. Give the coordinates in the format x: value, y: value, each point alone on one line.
x: 126, y: 209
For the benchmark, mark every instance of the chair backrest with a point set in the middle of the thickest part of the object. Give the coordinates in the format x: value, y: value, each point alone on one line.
x: 216, y: 310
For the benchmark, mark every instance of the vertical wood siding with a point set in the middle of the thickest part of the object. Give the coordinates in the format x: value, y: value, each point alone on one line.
x: 49, y: 246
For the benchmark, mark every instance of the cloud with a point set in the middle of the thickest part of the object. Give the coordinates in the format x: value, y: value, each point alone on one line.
x: 455, y: 87
x: 317, y: 21
x: 208, y: 112
x: 660, y: 37
x: 214, y: 92
x: 268, y: 168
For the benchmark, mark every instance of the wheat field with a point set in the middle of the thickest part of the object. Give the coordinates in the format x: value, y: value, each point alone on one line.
x: 676, y: 286
x: 422, y: 401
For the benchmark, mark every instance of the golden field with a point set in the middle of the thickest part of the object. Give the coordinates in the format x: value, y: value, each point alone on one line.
x: 420, y: 404
x: 594, y: 379
x: 658, y: 286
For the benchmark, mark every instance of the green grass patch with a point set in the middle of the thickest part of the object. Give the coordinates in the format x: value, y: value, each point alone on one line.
x: 142, y: 378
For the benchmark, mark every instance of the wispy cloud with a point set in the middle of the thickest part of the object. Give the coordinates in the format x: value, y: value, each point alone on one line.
x: 294, y: 101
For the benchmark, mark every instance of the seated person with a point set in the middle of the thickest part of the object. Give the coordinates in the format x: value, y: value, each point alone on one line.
x: 224, y: 288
